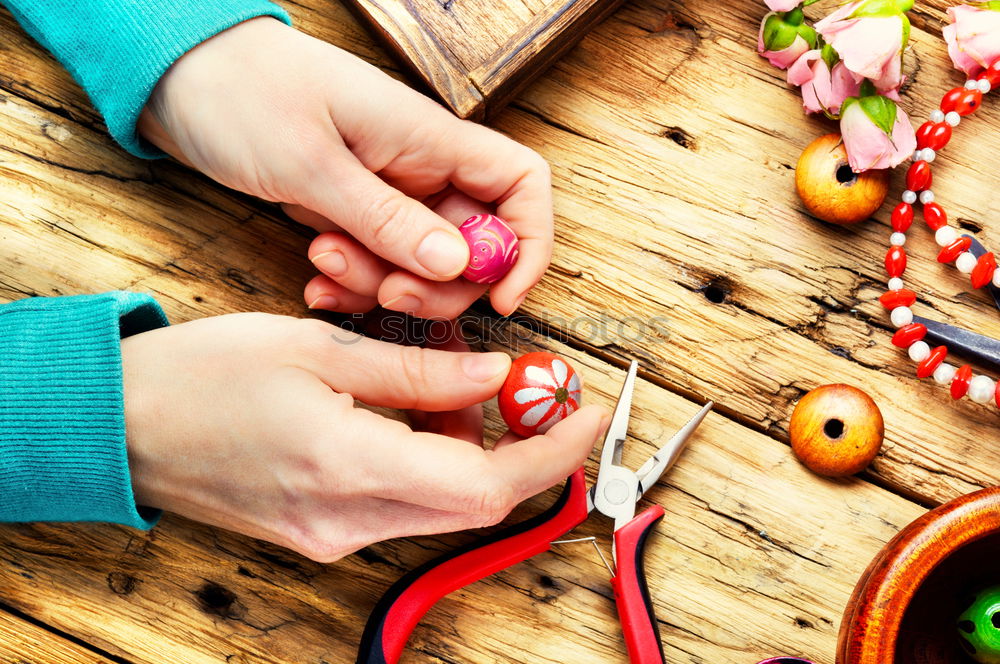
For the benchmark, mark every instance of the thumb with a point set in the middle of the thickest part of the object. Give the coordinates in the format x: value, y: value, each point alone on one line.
x: 445, y: 474
x: 384, y: 219
x: 533, y: 465
x: 407, y: 377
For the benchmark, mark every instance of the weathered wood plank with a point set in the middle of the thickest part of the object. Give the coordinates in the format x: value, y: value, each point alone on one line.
x: 675, y: 158
x: 671, y: 144
x: 24, y: 643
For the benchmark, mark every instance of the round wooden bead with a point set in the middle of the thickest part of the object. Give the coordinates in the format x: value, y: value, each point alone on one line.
x: 979, y: 626
x: 492, y: 248
x: 540, y: 390
x: 831, y: 190
x: 836, y: 430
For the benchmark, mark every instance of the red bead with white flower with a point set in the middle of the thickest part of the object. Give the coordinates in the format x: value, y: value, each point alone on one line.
x: 541, y: 389
x: 932, y: 136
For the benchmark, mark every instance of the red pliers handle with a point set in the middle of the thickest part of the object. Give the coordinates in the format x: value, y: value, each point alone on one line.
x: 635, y: 610
x: 405, y: 603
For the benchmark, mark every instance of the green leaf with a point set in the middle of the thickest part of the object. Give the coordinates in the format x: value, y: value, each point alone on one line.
x: 867, y: 88
x: 883, y: 8
x: 830, y: 56
x: 992, y: 5
x: 906, y: 33
x: 809, y: 35
x: 847, y: 102
x: 881, y: 110
x: 778, y: 35
x: 795, y: 16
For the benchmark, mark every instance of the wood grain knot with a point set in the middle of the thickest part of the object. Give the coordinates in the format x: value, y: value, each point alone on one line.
x: 680, y: 137
x: 716, y: 291
x: 671, y: 22
x: 221, y: 601
x: 546, y: 581
x: 121, y: 583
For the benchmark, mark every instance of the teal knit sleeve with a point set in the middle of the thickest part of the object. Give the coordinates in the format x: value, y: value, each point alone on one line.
x: 62, y: 412
x: 118, y: 49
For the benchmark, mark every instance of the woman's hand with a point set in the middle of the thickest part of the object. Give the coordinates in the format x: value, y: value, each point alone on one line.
x: 382, y: 171
x: 248, y: 422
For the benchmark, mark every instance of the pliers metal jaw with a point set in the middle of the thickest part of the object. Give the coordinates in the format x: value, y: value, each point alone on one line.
x: 614, y: 494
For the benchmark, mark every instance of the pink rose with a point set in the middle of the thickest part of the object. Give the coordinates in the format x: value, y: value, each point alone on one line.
x: 782, y: 5
x: 869, y: 145
x: 973, y: 38
x: 822, y: 89
x: 870, y: 46
x: 782, y: 42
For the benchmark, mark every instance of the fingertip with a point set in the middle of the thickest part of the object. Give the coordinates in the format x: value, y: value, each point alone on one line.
x: 504, y: 305
x: 322, y: 244
x: 326, y: 294
x: 486, y: 367
x: 509, y: 293
x: 588, y: 423
x: 534, y: 464
x: 408, y: 293
x: 443, y: 252
x: 316, y: 287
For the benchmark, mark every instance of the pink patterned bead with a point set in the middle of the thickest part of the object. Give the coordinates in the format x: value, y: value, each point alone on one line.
x: 492, y: 248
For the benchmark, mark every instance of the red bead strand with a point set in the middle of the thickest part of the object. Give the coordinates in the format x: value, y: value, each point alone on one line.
x: 931, y: 137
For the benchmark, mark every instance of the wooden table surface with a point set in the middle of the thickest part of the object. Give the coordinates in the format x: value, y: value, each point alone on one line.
x: 680, y: 242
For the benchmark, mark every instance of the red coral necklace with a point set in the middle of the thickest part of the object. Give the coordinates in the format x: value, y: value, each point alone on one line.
x: 910, y: 335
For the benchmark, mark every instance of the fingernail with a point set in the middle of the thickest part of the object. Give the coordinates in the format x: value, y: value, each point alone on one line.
x: 605, y: 423
x: 443, y: 253
x: 324, y: 302
x: 407, y: 304
x: 331, y: 262
x: 482, y: 367
x: 519, y: 302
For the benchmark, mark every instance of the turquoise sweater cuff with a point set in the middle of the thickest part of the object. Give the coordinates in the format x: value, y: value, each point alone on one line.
x: 62, y: 411
x: 118, y: 49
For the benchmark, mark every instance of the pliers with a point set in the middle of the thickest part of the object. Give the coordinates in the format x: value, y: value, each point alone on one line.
x: 614, y: 494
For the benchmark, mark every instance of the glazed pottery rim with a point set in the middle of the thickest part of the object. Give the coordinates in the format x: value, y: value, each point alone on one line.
x: 879, y: 602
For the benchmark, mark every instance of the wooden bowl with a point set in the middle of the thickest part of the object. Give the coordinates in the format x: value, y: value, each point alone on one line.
x: 905, y: 607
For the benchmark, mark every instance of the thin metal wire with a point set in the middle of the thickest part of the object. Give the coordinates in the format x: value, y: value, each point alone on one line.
x: 592, y: 540
x: 603, y: 559
x: 574, y: 541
